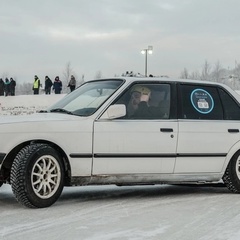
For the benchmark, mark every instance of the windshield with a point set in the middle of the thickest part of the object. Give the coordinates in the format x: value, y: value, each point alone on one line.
x: 86, y: 99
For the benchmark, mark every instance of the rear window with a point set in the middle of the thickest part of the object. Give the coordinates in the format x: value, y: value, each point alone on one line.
x: 231, y: 107
x: 200, y: 102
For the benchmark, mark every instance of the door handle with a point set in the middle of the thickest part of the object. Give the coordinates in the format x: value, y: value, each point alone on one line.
x: 166, y: 129
x: 233, y: 130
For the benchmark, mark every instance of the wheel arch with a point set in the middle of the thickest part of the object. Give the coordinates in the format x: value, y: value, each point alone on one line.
x: 235, y: 148
x: 8, y: 161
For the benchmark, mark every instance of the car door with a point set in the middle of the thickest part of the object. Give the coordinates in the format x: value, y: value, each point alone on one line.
x: 205, y: 135
x: 142, y: 145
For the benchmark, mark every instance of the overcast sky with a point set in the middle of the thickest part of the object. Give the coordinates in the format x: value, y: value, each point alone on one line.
x: 40, y: 37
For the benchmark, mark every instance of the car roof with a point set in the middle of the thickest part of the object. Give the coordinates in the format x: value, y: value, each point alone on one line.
x: 130, y: 80
x: 152, y: 79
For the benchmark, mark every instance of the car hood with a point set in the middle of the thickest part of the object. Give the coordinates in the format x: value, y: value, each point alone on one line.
x: 43, y: 123
x: 38, y: 117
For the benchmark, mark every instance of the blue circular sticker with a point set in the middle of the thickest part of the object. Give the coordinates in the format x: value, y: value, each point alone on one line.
x: 202, y: 101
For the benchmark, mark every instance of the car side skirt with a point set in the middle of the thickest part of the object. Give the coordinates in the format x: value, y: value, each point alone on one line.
x: 143, y: 179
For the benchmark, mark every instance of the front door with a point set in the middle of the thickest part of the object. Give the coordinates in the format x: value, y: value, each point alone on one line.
x: 137, y: 144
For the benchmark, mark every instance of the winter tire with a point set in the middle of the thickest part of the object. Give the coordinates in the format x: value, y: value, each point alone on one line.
x: 37, y: 176
x: 231, y: 177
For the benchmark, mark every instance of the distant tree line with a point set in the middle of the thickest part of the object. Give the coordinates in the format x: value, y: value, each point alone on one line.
x: 210, y: 72
x: 215, y: 73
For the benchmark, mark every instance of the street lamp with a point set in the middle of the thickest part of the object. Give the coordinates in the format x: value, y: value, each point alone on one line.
x: 147, y: 51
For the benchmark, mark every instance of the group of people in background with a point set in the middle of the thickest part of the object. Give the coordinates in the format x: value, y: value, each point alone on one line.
x: 7, y: 88
x: 50, y: 85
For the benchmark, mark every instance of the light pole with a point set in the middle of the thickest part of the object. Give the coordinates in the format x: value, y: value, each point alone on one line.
x: 147, y: 51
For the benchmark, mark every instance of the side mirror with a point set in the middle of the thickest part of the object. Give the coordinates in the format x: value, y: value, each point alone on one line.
x: 115, y: 111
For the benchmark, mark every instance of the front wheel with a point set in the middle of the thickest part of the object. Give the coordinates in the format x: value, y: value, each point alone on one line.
x: 231, y: 177
x: 37, y: 176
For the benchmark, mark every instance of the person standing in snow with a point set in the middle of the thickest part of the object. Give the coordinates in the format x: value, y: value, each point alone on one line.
x: 2, y: 86
x: 7, y: 87
x: 12, y: 86
x: 36, y: 85
x: 72, y: 83
x: 48, y: 85
x: 57, y: 85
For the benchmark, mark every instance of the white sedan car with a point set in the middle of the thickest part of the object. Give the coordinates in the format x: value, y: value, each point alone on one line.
x: 124, y: 131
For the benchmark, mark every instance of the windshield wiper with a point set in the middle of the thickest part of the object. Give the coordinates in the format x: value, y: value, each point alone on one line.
x: 61, y: 110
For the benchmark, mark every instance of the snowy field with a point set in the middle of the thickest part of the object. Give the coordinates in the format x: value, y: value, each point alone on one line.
x: 26, y: 104
x: 161, y: 212
x: 110, y: 213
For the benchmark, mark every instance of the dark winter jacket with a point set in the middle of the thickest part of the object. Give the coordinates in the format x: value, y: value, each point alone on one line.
x: 7, y: 87
x: 12, y: 86
x: 72, y: 83
x: 147, y: 112
x: 48, y: 83
x: 57, y: 86
x: 2, y: 86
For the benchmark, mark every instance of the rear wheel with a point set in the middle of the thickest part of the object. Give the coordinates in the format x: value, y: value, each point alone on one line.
x: 231, y: 178
x: 37, y: 176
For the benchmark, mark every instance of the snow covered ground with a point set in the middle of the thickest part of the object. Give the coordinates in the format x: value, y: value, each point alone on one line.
x: 26, y: 104
x: 161, y: 212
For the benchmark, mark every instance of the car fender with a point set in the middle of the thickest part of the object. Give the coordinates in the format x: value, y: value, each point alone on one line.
x: 232, y: 151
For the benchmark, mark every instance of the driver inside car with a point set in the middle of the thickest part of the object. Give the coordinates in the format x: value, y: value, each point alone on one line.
x: 138, y: 106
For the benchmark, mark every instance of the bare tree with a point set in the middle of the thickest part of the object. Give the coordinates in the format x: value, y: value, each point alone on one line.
x: 195, y: 75
x: 206, y: 71
x: 68, y: 71
x: 98, y: 75
x: 230, y: 77
x: 217, y: 72
x: 234, y: 77
x: 237, y: 70
x: 184, y: 74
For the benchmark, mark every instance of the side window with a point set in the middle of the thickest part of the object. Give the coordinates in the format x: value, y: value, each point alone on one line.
x: 200, y: 102
x: 147, y: 101
x: 231, y: 108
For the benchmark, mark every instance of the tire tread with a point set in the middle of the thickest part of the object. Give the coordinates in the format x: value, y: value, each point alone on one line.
x: 18, y: 174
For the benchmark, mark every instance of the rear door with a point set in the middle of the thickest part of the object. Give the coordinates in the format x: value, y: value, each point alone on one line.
x: 207, y: 128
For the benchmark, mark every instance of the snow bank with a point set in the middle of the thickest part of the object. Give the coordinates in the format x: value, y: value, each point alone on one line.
x: 26, y: 104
